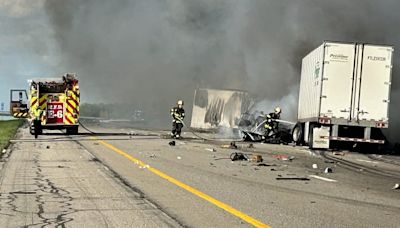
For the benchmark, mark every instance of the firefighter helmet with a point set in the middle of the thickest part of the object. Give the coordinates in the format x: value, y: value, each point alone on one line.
x: 180, y: 102
x: 278, y: 110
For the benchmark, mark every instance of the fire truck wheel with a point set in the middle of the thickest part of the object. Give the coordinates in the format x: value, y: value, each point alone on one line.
x: 72, y: 131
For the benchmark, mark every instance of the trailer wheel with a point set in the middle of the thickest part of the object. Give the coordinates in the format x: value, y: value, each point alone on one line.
x: 297, y: 134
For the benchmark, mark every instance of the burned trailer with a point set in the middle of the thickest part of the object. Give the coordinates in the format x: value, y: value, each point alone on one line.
x: 213, y: 109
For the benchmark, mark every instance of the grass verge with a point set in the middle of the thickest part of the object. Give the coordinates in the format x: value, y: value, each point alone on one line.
x: 8, y: 128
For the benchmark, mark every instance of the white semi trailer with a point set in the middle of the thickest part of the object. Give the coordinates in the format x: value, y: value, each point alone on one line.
x: 344, y: 94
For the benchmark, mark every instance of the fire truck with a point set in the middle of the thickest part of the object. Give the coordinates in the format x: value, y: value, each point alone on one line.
x: 53, y: 103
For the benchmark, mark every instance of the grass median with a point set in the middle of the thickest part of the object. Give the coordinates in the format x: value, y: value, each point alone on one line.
x: 8, y: 128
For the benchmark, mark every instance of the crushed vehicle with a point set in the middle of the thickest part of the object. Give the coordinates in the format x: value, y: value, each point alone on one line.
x: 252, y: 129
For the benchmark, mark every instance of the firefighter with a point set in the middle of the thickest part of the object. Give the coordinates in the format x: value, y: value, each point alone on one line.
x: 178, y: 114
x: 270, y: 124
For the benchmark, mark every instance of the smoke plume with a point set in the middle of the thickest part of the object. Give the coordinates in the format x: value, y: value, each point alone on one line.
x: 148, y: 53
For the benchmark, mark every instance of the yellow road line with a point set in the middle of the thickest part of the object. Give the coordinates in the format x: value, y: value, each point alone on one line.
x: 188, y: 188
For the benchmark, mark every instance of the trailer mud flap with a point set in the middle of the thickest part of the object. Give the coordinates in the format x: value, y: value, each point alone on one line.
x: 321, y: 137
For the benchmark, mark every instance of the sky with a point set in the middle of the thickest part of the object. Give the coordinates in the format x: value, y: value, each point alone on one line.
x: 149, y: 53
x: 26, y: 49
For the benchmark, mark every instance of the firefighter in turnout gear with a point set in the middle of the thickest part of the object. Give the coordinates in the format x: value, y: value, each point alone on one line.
x: 271, y: 125
x: 178, y: 114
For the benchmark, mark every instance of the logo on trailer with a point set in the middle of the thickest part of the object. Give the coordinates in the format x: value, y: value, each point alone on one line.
x: 376, y: 58
x: 339, y: 57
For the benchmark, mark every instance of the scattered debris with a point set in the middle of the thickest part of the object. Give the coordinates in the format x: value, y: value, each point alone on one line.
x: 23, y: 192
x: 251, y: 146
x: 362, y: 160
x: 283, y: 157
x: 322, y: 178
x: 280, y: 156
x: 172, y: 143
x: 330, y: 162
x: 238, y: 157
x: 274, y: 170
x: 314, y: 166
x: 288, y: 158
x: 293, y: 178
x: 339, y: 153
x: 4, y: 151
x: 312, y: 202
x: 328, y: 170
x: 257, y: 158
x: 152, y: 155
x: 211, y: 149
x: 396, y: 186
x: 47, y: 147
x: 263, y: 164
x: 179, y: 157
x: 232, y: 145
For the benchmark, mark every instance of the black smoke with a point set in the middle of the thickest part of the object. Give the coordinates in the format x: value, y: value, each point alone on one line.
x: 148, y: 53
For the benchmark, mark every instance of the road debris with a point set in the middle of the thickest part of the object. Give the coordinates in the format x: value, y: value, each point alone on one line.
x: 337, y: 153
x: 4, y: 151
x: 396, y: 186
x: 152, y: 155
x: 256, y: 158
x: 211, y: 149
x: 238, y: 157
x: 179, y: 157
x: 172, y: 143
x: 47, y: 147
x: 314, y: 166
x: 263, y: 164
x: 328, y: 170
x: 279, y: 156
x: 293, y: 178
x: 322, y: 178
x: 283, y: 157
x: 232, y: 145
x: 251, y: 146
x: 362, y: 160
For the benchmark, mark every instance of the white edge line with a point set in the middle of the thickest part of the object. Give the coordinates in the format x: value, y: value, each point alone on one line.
x: 322, y: 178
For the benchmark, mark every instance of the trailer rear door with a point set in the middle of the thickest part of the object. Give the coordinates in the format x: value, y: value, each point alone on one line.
x: 337, y: 81
x: 374, y: 82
